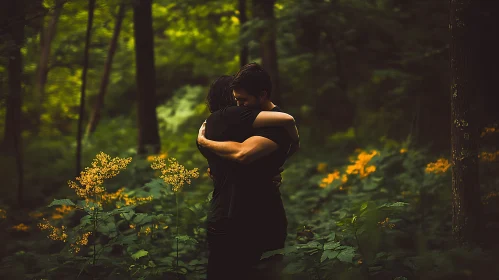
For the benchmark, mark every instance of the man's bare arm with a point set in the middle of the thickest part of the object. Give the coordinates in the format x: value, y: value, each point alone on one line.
x: 250, y: 150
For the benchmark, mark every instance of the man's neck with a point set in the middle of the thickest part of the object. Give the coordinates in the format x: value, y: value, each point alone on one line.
x: 268, y: 106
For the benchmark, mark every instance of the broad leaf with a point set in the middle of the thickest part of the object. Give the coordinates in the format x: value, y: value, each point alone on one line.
x: 140, y: 254
x: 61, y: 202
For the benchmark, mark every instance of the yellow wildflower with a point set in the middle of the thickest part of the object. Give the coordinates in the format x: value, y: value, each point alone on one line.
x: 489, y: 156
x: 55, y: 233
x: 386, y: 224
x: 80, y: 241
x: 489, y: 130
x: 330, y: 178
x: 174, y: 174
x: 489, y: 196
x: 321, y: 167
x: 359, y: 165
x: 121, y: 198
x: 3, y: 214
x: 61, y: 211
x: 92, y: 178
x: 151, y: 158
x: 21, y: 227
x: 403, y: 151
x: 440, y: 166
x: 35, y: 215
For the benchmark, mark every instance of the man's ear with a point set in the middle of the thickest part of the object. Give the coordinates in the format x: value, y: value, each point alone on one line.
x: 264, y: 94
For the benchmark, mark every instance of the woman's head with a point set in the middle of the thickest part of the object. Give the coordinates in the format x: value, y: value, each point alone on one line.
x: 220, y: 94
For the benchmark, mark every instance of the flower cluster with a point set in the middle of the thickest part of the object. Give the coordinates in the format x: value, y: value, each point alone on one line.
x: 174, y: 173
x: 55, y: 232
x: 151, y: 158
x: 21, y: 227
x: 3, y: 214
x: 92, y: 178
x: 386, y: 224
x: 121, y: 198
x: 61, y: 211
x: 489, y: 196
x: 331, y: 177
x: 440, y: 166
x: 80, y: 241
x: 488, y: 130
x: 490, y: 157
x: 359, y: 165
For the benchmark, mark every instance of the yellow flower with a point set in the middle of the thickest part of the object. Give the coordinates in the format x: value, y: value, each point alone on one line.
x: 61, y: 211
x: 3, y: 214
x: 489, y: 130
x: 321, y: 167
x: 21, y: 227
x: 151, y: 158
x: 359, y: 164
x: 330, y: 178
x: 490, y: 157
x: 440, y: 166
x: 386, y: 224
x: 174, y: 174
x: 92, y: 178
x: 55, y: 233
x: 403, y: 151
x: 80, y: 241
x: 120, y: 198
x: 35, y: 215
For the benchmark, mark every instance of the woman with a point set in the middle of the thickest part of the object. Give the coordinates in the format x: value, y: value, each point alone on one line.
x: 229, y: 122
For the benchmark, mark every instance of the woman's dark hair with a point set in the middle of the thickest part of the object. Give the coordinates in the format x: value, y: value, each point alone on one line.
x: 220, y: 94
x: 253, y: 79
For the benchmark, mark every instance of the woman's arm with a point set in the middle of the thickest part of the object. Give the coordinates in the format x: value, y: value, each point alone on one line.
x: 269, y: 118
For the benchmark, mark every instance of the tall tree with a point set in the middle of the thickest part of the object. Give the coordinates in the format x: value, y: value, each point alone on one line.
x: 465, y: 129
x: 243, y: 56
x: 146, y: 77
x: 12, y: 142
x: 95, y: 117
x: 47, y: 35
x: 264, y: 10
x: 91, y: 8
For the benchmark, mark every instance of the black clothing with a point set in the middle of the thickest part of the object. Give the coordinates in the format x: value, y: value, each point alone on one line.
x: 246, y: 216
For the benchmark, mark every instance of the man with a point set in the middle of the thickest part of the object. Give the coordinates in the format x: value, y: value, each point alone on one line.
x: 256, y: 205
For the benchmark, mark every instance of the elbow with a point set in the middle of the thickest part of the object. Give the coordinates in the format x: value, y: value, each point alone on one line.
x: 243, y: 158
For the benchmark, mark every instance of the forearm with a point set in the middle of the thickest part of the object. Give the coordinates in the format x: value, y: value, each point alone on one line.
x: 228, y: 149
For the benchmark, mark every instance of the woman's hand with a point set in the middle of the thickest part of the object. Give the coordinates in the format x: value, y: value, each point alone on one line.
x: 201, y: 132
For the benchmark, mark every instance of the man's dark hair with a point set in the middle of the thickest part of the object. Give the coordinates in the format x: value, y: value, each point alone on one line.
x: 253, y: 79
x: 220, y: 94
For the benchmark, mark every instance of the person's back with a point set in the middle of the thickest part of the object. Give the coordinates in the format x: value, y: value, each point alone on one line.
x: 228, y: 124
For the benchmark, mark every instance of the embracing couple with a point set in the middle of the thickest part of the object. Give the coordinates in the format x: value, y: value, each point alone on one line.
x: 246, y: 140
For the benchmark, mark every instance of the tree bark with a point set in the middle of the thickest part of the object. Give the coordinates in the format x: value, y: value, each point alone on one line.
x: 466, y: 204
x: 91, y: 8
x: 264, y: 10
x: 46, y: 37
x: 12, y: 142
x: 146, y: 78
x: 243, y: 56
x: 95, y: 117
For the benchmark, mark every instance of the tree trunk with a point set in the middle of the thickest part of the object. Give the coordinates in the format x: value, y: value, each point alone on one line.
x: 264, y: 10
x: 12, y: 142
x: 46, y: 37
x: 91, y: 8
x: 243, y: 56
x: 146, y: 78
x: 466, y: 204
x: 95, y: 117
